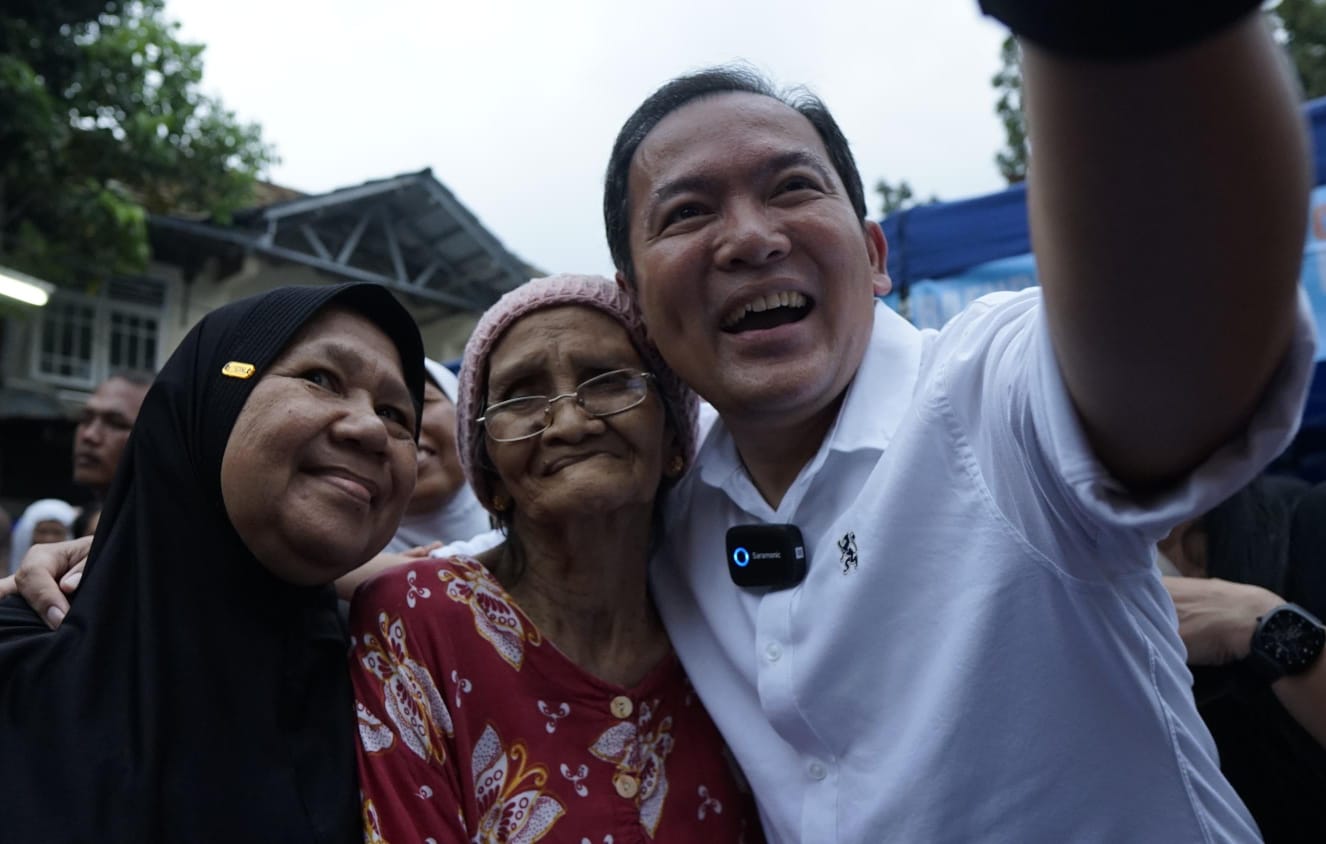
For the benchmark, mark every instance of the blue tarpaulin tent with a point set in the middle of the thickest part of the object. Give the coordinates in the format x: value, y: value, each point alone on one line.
x: 943, y: 255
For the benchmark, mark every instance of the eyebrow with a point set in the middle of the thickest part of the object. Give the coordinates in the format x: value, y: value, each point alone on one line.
x: 702, y: 183
x: 348, y: 359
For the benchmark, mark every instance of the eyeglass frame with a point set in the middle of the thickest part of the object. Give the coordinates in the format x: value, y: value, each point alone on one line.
x: 649, y: 378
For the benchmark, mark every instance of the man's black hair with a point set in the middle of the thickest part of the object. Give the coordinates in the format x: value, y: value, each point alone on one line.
x: 723, y: 79
x: 137, y: 377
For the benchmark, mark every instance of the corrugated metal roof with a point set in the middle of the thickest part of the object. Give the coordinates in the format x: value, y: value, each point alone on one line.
x: 408, y: 232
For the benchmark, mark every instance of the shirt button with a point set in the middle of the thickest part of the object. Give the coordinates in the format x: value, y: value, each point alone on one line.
x: 627, y: 786
x: 817, y: 771
x: 774, y: 651
x: 622, y: 707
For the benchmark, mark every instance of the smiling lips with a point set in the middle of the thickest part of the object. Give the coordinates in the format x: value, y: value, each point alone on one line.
x: 739, y: 317
x: 561, y: 463
x: 356, y: 486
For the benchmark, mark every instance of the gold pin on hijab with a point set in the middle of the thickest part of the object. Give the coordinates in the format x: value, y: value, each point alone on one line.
x: 236, y: 369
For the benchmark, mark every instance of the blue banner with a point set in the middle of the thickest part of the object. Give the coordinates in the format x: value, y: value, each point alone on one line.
x: 932, y: 303
x: 1313, y: 275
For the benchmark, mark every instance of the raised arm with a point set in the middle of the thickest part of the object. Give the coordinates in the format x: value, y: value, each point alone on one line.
x: 1168, y: 200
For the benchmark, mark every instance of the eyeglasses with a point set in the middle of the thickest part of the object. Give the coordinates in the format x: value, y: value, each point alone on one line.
x: 603, y: 395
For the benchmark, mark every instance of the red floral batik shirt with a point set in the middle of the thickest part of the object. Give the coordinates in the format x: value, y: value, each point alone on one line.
x: 474, y: 728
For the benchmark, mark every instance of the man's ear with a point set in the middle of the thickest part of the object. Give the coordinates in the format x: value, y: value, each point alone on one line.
x: 878, y: 250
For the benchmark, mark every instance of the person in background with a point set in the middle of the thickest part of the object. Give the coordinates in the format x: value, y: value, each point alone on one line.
x: 88, y: 518
x: 1237, y: 566
x: 199, y: 690
x: 531, y: 694
x: 103, y: 429
x: 444, y: 515
x: 46, y: 520
x: 442, y: 508
x: 6, y: 526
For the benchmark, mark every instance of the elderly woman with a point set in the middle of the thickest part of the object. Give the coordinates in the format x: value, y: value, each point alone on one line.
x: 532, y: 694
x: 197, y: 689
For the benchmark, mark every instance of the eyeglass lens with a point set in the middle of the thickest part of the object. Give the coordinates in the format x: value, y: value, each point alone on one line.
x: 602, y: 395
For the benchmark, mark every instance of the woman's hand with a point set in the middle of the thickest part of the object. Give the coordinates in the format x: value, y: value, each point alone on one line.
x: 50, y: 571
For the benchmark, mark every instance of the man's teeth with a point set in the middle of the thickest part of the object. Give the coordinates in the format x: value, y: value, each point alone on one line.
x: 783, y: 299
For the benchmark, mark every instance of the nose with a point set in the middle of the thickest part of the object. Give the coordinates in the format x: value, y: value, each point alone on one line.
x: 359, y: 424
x: 750, y: 236
x: 568, y: 421
x: 90, y: 431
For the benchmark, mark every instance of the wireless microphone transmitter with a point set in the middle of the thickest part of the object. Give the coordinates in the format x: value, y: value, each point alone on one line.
x: 766, y: 555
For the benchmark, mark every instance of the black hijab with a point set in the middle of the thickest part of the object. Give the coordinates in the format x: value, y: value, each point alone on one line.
x: 189, y: 695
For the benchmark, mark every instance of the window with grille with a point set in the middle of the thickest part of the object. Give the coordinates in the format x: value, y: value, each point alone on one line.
x: 82, y: 338
x: 65, y: 351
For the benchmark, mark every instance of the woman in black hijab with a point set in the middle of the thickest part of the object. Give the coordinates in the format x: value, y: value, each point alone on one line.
x: 197, y: 689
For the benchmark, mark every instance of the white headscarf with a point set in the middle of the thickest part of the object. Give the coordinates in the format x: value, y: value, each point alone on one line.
x: 460, y: 517
x: 45, y: 510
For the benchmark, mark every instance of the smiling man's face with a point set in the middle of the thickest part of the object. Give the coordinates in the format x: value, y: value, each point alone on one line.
x: 754, y: 274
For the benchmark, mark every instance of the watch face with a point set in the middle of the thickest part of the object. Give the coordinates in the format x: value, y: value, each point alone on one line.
x: 1291, y: 639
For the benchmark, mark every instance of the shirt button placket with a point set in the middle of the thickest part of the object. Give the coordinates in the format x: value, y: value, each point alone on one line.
x: 621, y: 707
x: 627, y: 786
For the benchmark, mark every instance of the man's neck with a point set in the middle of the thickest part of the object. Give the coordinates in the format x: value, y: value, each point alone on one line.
x: 775, y: 454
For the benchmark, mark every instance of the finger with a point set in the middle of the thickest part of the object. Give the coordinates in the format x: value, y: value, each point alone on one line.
x: 36, y: 578
x: 70, y: 581
x: 8, y: 586
x: 39, y: 588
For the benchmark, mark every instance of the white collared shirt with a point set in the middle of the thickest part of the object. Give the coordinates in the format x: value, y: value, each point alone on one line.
x: 982, y: 649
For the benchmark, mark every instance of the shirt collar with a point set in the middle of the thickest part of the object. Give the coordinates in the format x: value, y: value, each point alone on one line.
x: 876, y: 399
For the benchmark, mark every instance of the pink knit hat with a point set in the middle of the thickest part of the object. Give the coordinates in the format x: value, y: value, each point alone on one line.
x: 555, y: 291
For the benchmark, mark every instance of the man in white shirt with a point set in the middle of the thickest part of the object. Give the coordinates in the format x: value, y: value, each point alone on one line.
x: 980, y: 649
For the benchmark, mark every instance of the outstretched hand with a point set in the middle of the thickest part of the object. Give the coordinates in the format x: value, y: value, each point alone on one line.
x: 49, y: 573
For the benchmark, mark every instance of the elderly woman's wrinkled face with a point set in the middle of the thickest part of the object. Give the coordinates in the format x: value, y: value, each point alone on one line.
x: 49, y: 530
x: 581, y: 464
x: 320, y: 463
x: 440, y: 474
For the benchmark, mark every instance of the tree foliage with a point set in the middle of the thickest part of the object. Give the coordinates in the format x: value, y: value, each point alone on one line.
x: 898, y: 197
x: 102, y: 121
x: 1301, y: 26
x: 1012, y: 159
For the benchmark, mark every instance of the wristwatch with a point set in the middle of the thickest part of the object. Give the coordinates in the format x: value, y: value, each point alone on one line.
x: 1287, y: 641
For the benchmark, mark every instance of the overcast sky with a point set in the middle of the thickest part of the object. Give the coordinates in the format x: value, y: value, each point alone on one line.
x: 514, y: 104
